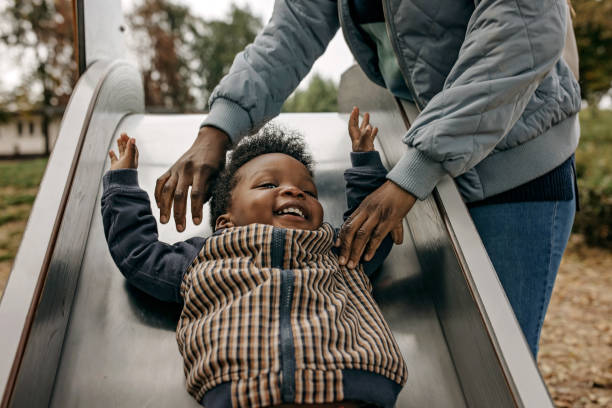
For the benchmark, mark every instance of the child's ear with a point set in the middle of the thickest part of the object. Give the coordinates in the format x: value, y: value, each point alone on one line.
x: 223, y: 221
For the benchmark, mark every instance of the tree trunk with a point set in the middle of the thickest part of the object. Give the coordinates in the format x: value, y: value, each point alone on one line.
x: 46, y: 107
x: 45, y: 130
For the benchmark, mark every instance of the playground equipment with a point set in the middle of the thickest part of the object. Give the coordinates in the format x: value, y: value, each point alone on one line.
x: 74, y: 334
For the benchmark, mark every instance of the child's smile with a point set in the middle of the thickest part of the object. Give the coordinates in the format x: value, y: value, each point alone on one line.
x: 291, y: 211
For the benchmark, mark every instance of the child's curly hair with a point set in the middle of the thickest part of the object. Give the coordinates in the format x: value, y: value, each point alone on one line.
x: 272, y: 138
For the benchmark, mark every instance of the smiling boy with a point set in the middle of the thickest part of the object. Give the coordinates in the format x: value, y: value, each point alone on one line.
x: 270, y: 317
x: 274, y: 189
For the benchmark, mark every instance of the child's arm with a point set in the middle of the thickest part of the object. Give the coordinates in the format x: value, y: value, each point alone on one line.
x: 367, y: 174
x: 155, y: 267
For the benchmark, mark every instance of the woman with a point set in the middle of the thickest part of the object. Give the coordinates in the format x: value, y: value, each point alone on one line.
x: 498, y: 112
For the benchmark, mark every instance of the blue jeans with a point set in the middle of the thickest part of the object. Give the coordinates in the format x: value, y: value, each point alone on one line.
x: 525, y: 242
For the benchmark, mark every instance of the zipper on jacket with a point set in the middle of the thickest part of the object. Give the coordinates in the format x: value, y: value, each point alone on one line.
x: 400, y: 62
x: 394, y: 46
x: 287, y: 350
x: 346, y: 35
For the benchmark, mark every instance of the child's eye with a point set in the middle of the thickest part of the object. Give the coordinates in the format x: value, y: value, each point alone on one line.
x: 312, y: 194
x: 267, y: 185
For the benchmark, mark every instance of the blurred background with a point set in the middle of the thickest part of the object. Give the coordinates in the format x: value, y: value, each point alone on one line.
x: 183, y: 49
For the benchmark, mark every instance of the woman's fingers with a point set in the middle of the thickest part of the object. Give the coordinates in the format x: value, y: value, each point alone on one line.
x: 180, y: 203
x: 112, y: 156
x: 362, y: 237
x: 165, y: 200
x: 198, y: 193
x: 397, y: 233
x: 347, y: 234
x: 379, y: 233
x: 159, y: 185
x: 363, y: 229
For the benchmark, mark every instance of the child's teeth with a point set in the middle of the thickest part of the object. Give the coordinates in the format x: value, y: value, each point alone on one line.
x: 292, y: 210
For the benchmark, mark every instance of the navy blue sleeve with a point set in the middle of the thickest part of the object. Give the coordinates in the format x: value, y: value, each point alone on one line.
x: 152, y: 266
x: 367, y: 174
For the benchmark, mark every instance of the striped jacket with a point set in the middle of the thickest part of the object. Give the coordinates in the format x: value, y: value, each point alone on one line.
x: 270, y: 313
x: 269, y: 316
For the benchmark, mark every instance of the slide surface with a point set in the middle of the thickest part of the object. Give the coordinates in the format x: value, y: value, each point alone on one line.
x: 120, y: 347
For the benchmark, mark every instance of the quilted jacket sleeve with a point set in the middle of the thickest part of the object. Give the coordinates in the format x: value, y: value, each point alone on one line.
x: 268, y: 70
x: 509, y: 47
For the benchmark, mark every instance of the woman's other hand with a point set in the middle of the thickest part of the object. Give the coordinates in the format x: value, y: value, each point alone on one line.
x: 379, y: 214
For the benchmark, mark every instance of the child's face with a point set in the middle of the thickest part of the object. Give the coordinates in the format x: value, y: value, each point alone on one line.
x: 274, y: 189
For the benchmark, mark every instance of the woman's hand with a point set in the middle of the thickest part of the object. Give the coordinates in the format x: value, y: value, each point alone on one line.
x: 380, y: 213
x: 196, y: 168
x: 128, y: 154
x: 362, y: 137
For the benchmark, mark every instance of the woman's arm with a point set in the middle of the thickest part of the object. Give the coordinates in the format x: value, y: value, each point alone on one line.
x: 268, y: 70
x: 509, y: 48
x: 253, y: 92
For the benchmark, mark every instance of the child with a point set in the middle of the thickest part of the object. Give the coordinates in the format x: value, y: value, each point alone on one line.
x: 269, y: 315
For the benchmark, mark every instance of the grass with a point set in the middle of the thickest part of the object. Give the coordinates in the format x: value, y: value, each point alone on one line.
x: 15, y: 214
x: 22, y: 174
x: 19, y: 180
x: 17, y: 199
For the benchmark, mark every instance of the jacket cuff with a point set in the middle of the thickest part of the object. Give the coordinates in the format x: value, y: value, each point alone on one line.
x: 416, y: 173
x: 366, y: 159
x: 120, y: 178
x: 229, y: 117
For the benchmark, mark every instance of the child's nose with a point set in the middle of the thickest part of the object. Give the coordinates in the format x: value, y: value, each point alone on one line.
x: 293, y: 191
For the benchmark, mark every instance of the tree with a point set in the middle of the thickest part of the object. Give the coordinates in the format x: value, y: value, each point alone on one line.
x: 593, y: 28
x: 160, y: 29
x: 40, y: 35
x: 216, y: 44
x: 320, y: 96
x: 183, y: 56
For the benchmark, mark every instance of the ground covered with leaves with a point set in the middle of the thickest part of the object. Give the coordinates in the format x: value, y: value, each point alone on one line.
x: 19, y: 180
x: 575, y: 356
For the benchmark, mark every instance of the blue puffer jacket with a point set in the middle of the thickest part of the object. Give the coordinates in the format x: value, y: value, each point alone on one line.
x: 497, y: 103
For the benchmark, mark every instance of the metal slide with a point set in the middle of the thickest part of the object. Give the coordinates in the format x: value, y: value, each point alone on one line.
x: 74, y: 334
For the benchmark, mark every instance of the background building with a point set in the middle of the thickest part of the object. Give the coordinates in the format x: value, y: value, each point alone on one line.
x: 23, y: 133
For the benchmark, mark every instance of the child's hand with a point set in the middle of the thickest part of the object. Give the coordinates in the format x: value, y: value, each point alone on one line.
x: 362, y: 136
x: 128, y: 154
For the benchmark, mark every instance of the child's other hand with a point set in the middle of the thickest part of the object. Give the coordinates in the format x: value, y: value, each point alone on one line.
x: 362, y: 136
x: 128, y: 154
